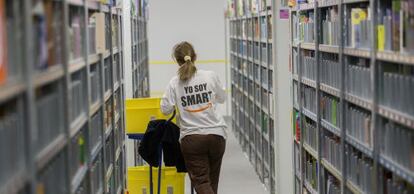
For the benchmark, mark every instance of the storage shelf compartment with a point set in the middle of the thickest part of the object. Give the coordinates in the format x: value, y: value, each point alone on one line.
x: 51, y: 74
x: 53, y: 178
x: 331, y: 169
x: 76, y: 65
x: 50, y: 151
x: 11, y: 89
x: 14, y: 184
x: 78, y: 153
x: 49, y: 126
x: 78, y: 179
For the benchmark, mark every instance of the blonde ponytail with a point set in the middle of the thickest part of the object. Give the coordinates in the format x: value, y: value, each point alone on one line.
x: 185, y: 56
x: 187, y: 70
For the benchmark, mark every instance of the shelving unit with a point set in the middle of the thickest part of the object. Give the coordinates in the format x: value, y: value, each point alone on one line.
x: 63, y: 87
x: 140, y: 60
x: 350, y: 97
x: 251, y: 59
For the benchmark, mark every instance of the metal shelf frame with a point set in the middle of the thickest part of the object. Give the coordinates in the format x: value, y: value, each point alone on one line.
x: 378, y: 112
x: 258, y: 121
x: 28, y: 179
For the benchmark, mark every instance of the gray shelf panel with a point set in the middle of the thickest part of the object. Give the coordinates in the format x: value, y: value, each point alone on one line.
x: 94, y: 5
x: 309, y: 114
x: 77, y: 125
x: 297, y: 176
x: 117, y: 153
x: 117, y: 117
x: 305, y: 6
x: 295, y: 77
x: 330, y: 90
x: 308, y: 46
x: 78, y: 178
x: 94, y: 108
x: 116, y: 86
x: 396, y: 168
x: 355, y: 1
x: 109, y: 172
x: 50, y: 151
x: 115, y: 50
x: 328, y: 3
x: 92, y: 59
x: 329, y: 48
x: 107, y: 95
x: 75, y: 2
x: 310, y: 150
x: 396, y: 57
x: 76, y: 65
x: 309, y: 82
x: 11, y: 89
x: 51, y: 74
x: 363, y: 53
x: 359, y: 146
x: 332, y: 128
x: 14, y: 184
x: 105, y: 8
x: 96, y: 150
x: 396, y: 116
x: 309, y: 187
x: 119, y: 190
x: 106, y: 54
x: 353, y: 188
x: 107, y: 132
x: 358, y: 101
x: 100, y: 191
x: 331, y: 169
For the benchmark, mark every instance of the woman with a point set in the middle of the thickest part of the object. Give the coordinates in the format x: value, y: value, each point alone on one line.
x: 196, y: 94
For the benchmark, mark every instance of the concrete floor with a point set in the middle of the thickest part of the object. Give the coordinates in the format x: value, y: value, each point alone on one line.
x: 237, y: 174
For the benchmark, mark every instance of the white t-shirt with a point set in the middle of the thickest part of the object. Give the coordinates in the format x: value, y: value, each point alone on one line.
x: 196, y: 100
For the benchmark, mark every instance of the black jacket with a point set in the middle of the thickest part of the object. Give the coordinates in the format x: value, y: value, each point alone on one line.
x: 162, y: 134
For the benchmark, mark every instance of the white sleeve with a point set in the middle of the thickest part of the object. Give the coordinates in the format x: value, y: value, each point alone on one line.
x: 219, y: 90
x: 168, y: 100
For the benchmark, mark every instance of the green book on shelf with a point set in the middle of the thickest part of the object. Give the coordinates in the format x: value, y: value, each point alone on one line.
x: 396, y: 21
x: 334, y: 107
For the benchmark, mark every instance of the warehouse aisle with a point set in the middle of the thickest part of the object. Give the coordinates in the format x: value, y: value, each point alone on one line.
x: 238, y: 175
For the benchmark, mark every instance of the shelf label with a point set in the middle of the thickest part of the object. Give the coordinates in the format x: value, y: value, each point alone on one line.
x: 284, y: 14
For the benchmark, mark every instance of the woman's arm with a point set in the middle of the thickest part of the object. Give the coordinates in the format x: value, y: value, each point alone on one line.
x: 168, y: 100
x: 218, y: 89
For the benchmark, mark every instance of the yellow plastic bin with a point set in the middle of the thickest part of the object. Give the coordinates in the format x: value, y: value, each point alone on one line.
x: 171, y: 181
x: 139, y: 111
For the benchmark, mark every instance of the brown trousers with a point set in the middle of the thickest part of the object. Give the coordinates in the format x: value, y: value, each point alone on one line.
x: 203, y: 155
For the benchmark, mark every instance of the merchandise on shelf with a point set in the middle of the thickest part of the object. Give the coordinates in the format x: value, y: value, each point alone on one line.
x: 360, y: 170
x: 359, y: 28
x: 311, y: 171
x: 330, y: 70
x: 330, y: 26
x: 100, y: 37
x: 53, y: 178
x: 357, y: 73
x: 12, y: 130
x: 76, y: 28
x: 3, y: 43
x: 397, y: 83
x: 359, y: 125
x: 396, y: 25
x: 330, y: 110
x: 50, y: 126
x: 331, y: 149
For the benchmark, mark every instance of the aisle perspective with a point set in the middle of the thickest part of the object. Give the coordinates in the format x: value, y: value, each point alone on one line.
x: 251, y: 60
